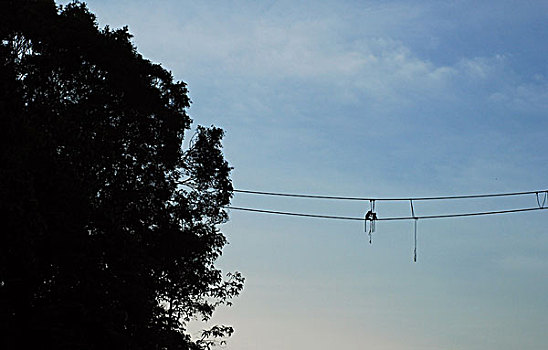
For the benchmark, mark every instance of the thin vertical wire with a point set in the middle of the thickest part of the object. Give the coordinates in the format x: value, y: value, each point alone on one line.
x: 415, y: 251
x: 415, y: 230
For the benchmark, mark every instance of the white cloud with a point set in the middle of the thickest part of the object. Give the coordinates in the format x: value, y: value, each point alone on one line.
x: 355, y: 50
x: 311, y: 51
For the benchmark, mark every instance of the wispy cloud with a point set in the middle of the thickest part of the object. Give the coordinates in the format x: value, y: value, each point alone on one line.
x: 524, y: 263
x: 375, y: 51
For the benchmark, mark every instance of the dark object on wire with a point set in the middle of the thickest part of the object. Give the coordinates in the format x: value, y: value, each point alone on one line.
x: 371, y: 216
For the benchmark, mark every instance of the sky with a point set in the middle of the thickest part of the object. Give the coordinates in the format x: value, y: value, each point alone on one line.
x: 371, y: 98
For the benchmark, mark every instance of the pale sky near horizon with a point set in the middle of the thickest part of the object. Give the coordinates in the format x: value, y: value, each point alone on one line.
x: 371, y: 98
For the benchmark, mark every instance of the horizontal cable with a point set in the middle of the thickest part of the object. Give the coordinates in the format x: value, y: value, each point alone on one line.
x: 296, y: 214
x: 387, y: 218
x: 311, y: 196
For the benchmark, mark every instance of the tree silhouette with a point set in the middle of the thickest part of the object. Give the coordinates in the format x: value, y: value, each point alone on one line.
x: 110, y: 229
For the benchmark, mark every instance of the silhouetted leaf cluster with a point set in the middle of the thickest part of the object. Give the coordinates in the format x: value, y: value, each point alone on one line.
x: 110, y: 232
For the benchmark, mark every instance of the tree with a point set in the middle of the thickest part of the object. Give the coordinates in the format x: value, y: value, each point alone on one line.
x: 111, y: 227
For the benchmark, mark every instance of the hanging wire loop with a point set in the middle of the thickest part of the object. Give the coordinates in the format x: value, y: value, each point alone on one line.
x: 544, y: 196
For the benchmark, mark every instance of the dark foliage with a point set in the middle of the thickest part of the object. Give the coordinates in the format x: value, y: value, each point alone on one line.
x: 110, y: 233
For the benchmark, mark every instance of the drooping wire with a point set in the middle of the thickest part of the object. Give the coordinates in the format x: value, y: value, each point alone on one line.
x: 335, y: 217
x: 293, y: 195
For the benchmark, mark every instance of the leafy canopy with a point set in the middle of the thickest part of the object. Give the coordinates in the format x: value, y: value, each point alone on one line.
x: 111, y: 227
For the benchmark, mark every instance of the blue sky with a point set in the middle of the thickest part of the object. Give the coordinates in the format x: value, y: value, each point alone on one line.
x: 371, y: 98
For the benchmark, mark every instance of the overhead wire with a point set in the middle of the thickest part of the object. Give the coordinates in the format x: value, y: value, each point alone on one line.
x: 371, y: 216
x: 312, y: 196
x: 395, y: 218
